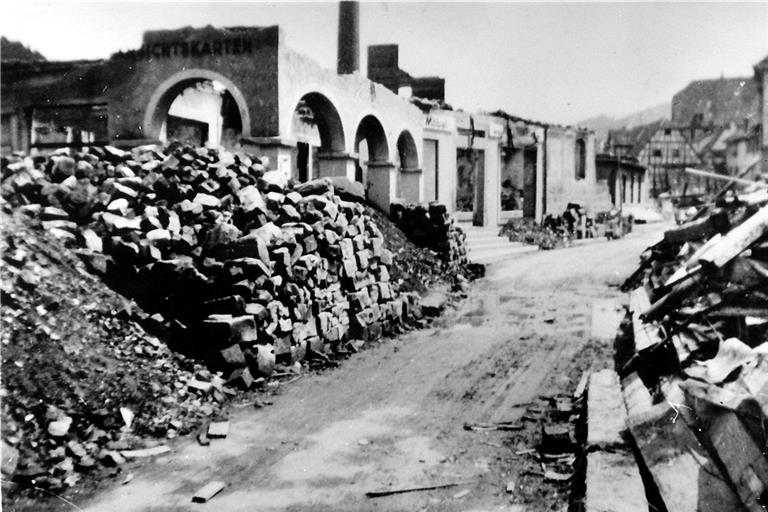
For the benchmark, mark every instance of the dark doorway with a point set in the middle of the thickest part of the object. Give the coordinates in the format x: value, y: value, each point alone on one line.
x: 302, y: 160
x: 478, y: 216
x: 430, y: 170
x: 529, y: 183
x: 470, y: 183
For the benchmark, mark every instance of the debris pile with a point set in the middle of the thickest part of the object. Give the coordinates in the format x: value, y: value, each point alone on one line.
x: 239, y: 266
x: 574, y: 223
x: 416, y: 268
x: 694, y: 357
x: 431, y: 227
x: 83, y: 383
x: 549, y: 235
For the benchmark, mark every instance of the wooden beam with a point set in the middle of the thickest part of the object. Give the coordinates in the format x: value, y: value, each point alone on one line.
x: 714, y: 175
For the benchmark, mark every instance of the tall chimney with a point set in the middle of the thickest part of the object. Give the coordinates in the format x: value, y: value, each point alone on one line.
x: 348, y: 59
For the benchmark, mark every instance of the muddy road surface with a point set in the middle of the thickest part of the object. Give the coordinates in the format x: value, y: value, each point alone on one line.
x: 392, y: 416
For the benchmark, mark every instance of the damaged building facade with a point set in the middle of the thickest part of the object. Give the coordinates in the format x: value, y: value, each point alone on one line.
x: 310, y: 122
x: 242, y: 87
x: 492, y: 168
x: 488, y: 168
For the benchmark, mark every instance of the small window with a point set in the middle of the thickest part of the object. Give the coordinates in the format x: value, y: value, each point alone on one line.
x: 675, y: 153
x: 657, y: 153
x: 667, y: 131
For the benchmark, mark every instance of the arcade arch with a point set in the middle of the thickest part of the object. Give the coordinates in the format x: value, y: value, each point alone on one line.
x: 371, y: 146
x: 198, y: 106
x: 318, y: 129
x: 407, y: 152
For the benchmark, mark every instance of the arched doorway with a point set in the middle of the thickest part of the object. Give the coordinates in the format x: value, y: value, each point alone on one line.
x: 409, y: 174
x: 407, y: 152
x: 200, y: 107
x: 316, y: 124
x: 370, y: 145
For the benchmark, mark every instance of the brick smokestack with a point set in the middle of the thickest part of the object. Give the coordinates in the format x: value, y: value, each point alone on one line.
x: 348, y: 59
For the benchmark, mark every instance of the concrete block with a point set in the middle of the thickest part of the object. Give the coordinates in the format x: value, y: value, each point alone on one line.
x: 614, y: 483
x: 605, y: 410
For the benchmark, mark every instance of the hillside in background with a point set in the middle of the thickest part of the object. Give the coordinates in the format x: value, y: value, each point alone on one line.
x: 603, y: 123
x: 14, y: 50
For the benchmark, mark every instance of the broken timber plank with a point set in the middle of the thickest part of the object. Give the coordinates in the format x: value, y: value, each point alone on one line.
x: 391, y: 492
x: 208, y: 491
x: 637, y: 398
x: 614, y: 483
x: 646, y: 336
x: 687, y: 478
x: 720, y: 249
x: 731, y: 441
x: 606, y: 414
x: 738, y: 239
x: 716, y: 222
x: 145, y: 452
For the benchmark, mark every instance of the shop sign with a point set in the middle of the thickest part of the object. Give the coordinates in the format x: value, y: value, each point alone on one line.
x: 440, y: 122
x: 224, y: 46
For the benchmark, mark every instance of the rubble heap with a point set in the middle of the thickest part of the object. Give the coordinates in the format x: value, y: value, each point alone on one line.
x: 694, y: 357
x: 431, y: 227
x: 237, y: 265
x: 83, y: 383
x: 551, y: 235
x: 559, y: 231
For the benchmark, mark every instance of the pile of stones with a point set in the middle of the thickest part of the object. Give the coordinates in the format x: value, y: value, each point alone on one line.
x: 230, y: 260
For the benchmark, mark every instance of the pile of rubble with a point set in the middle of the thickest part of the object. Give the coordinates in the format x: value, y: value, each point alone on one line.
x: 548, y: 235
x: 556, y: 232
x: 694, y: 358
x: 431, y: 227
x: 84, y: 385
x: 239, y: 266
x: 417, y: 268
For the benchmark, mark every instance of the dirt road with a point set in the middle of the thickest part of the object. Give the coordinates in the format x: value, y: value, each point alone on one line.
x: 392, y: 416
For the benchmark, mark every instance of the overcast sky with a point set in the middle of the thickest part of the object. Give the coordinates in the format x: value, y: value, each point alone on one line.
x: 549, y: 61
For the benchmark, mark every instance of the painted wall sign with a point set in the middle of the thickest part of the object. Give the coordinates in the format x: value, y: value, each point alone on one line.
x: 439, y: 122
x: 224, y: 46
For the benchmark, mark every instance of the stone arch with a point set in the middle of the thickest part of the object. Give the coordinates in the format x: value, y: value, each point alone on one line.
x: 328, y: 121
x: 407, y: 151
x: 164, y: 95
x: 370, y: 130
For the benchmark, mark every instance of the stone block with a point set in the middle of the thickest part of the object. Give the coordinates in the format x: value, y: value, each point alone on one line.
x: 233, y: 356
x: 606, y: 413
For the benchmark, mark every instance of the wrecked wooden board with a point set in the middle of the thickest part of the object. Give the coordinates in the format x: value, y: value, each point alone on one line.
x: 145, y: 452
x: 738, y: 239
x: 743, y: 460
x: 218, y: 429
x: 208, y: 491
x: 716, y: 222
x: 606, y: 414
x: 637, y: 398
x: 614, y: 483
x: 646, y: 335
x: 687, y: 478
